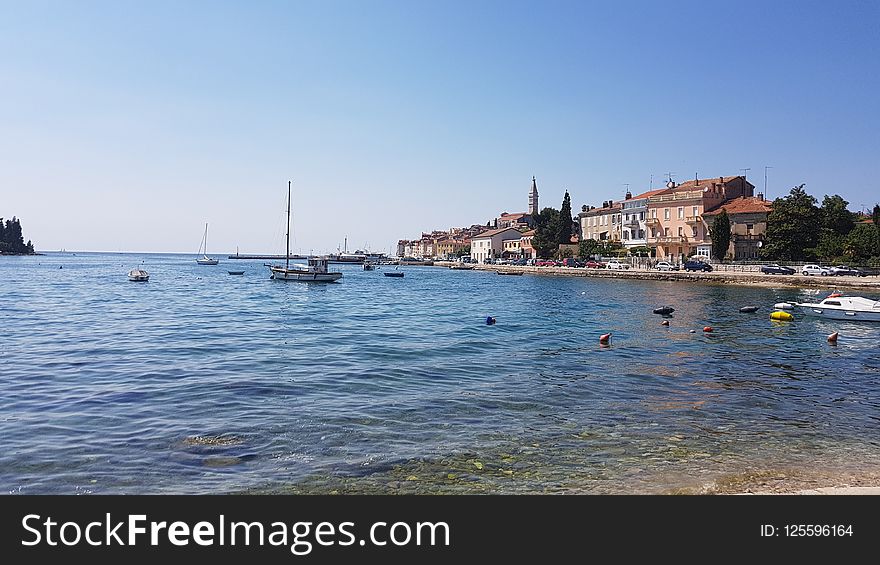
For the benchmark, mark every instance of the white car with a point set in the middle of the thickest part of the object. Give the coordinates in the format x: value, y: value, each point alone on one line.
x: 666, y: 266
x: 808, y: 270
x: 615, y: 264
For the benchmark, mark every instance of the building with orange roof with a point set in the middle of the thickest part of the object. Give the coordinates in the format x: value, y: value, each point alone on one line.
x: 490, y: 244
x: 601, y: 224
x: 675, y: 226
x: 748, y: 224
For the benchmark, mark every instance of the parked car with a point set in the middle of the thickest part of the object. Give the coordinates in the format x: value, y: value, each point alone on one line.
x: 777, y: 270
x: 808, y: 270
x: 545, y: 263
x: 666, y: 266
x: 571, y: 262
x: 591, y: 264
x: 697, y: 266
x: 845, y: 270
x: 615, y: 264
x: 531, y: 262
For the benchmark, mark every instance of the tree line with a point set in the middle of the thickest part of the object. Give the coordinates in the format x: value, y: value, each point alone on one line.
x: 798, y: 229
x: 12, y: 240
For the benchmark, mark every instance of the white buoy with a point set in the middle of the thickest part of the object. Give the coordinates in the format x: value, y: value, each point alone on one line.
x: 784, y: 306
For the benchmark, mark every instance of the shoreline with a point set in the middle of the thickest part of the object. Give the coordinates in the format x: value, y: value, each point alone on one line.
x: 719, y: 277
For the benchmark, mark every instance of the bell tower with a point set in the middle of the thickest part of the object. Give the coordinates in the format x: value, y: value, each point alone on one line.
x: 533, y: 199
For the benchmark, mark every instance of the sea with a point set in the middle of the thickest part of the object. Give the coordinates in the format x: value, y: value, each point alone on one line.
x: 199, y: 381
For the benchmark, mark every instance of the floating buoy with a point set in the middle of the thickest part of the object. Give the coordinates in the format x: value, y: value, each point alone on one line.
x: 781, y: 316
x: 665, y: 310
x: 693, y: 331
x: 707, y: 329
x: 833, y: 338
x: 490, y: 320
x: 605, y: 338
x: 784, y: 306
x: 664, y: 323
x: 748, y: 309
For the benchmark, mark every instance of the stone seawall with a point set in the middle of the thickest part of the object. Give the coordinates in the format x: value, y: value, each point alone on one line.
x: 871, y: 284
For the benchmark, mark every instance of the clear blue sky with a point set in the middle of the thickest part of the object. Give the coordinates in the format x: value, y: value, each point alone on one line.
x: 126, y: 126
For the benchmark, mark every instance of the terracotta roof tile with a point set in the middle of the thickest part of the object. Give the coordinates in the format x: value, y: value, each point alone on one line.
x: 742, y: 205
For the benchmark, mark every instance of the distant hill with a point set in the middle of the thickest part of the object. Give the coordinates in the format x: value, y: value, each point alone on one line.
x: 11, y: 239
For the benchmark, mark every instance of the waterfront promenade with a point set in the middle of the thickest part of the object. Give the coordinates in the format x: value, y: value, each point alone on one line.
x: 870, y: 284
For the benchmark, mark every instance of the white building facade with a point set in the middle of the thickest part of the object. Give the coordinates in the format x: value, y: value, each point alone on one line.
x: 490, y: 244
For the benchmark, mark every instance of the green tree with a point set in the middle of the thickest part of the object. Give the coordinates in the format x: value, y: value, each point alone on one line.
x: 791, y: 227
x: 587, y: 248
x: 720, y: 234
x: 876, y: 215
x: 564, y: 228
x: 546, y: 237
x: 565, y: 253
x: 835, y: 216
x: 863, y: 242
x: 831, y: 244
x: 463, y: 251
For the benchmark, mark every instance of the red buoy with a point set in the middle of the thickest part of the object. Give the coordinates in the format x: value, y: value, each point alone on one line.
x: 833, y: 338
x: 707, y: 329
x: 605, y: 338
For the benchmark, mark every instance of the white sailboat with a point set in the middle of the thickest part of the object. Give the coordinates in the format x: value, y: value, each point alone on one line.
x: 315, y: 271
x: 203, y: 250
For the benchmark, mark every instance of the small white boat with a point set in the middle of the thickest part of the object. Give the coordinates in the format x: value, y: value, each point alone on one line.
x: 138, y: 275
x: 839, y: 307
x: 204, y: 259
x: 369, y: 266
x: 316, y: 271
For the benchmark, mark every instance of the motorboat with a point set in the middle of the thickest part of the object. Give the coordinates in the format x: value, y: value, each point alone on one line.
x: 838, y: 307
x: 235, y: 272
x: 138, y: 275
x: 369, y: 266
x: 397, y: 274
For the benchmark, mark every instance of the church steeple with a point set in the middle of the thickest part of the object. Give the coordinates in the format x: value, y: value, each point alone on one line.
x: 533, y: 199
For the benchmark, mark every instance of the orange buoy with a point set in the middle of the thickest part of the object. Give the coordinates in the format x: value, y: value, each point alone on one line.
x: 664, y: 323
x: 835, y: 294
x: 833, y: 337
x: 605, y: 338
x: 707, y: 329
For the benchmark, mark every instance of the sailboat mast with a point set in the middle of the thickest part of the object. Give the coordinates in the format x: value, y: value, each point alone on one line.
x: 206, y: 239
x: 287, y: 256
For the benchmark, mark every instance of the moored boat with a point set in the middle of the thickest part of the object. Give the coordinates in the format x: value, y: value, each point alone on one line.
x: 138, y: 275
x: 838, y: 307
x: 315, y: 271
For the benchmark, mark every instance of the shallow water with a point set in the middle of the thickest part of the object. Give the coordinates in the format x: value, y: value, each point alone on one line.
x: 199, y: 381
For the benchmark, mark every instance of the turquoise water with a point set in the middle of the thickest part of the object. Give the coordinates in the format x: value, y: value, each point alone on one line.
x: 202, y: 382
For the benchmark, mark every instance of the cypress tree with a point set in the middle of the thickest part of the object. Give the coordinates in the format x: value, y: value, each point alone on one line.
x: 564, y: 228
x: 720, y: 234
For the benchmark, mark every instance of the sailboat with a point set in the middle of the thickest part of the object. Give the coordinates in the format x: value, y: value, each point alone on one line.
x: 315, y: 271
x: 204, y: 259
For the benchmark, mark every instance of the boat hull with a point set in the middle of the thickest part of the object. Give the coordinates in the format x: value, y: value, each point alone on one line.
x: 281, y: 274
x: 207, y: 261
x: 840, y: 314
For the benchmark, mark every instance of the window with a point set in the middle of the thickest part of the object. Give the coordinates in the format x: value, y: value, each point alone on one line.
x: 695, y: 212
x: 749, y: 228
x: 653, y: 212
x: 695, y: 231
x: 666, y: 232
x: 642, y: 216
x: 680, y: 212
x: 665, y: 213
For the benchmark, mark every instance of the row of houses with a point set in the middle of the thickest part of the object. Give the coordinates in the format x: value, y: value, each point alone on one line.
x: 673, y: 222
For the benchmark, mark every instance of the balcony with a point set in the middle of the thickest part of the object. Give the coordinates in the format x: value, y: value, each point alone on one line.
x: 633, y: 223
x: 652, y: 222
x: 669, y: 239
x: 693, y: 219
x: 746, y: 237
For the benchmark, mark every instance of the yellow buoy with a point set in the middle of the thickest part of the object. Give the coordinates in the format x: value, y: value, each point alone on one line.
x: 781, y: 316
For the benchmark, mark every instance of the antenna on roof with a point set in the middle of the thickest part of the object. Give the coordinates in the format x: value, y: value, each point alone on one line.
x: 744, y: 172
x: 767, y: 196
